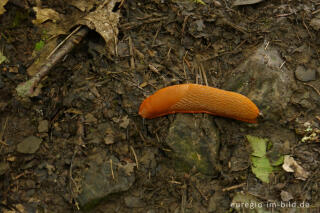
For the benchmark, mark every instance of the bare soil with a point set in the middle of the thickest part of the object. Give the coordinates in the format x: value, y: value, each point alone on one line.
x: 161, y: 43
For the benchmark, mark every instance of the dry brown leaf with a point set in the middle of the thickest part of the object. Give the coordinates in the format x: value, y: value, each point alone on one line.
x: 109, y: 139
x: 124, y: 122
x: 290, y: 165
x: 83, y: 5
x: 2, y: 4
x: 104, y: 21
x: 52, y: 30
x: 73, y: 111
x: 46, y: 50
x: 45, y: 14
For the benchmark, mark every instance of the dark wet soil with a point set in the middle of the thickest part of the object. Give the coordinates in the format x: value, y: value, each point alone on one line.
x: 161, y: 43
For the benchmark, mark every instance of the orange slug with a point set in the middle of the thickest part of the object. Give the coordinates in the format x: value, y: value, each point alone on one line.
x: 195, y: 98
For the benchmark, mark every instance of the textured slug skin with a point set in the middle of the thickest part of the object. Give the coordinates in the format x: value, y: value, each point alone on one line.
x: 195, y: 98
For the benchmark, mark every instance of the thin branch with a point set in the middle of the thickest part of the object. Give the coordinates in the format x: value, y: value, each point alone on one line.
x: 28, y: 88
x: 135, y: 156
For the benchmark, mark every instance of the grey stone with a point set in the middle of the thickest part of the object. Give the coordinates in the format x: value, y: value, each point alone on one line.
x: 89, y: 118
x: 133, y: 202
x: 4, y: 167
x: 29, y: 145
x: 101, y: 181
x: 241, y: 198
x: 306, y: 104
x: 194, y: 143
x: 104, y: 133
x: 212, y: 205
x: 286, y: 196
x: 109, y: 139
x: 216, y: 202
x: 315, y: 23
x: 305, y: 75
x: 94, y: 136
x: 148, y: 159
x: 43, y: 126
x: 265, y: 80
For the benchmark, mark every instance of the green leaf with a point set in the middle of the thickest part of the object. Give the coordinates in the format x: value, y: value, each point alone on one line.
x: 39, y: 45
x: 259, y: 145
x: 278, y: 162
x: 263, y: 165
x: 262, y: 168
x: 2, y: 58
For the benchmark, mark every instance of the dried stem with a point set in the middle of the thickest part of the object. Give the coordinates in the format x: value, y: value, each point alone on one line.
x: 27, y: 89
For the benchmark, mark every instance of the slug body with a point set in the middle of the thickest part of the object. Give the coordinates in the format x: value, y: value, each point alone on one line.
x: 195, y: 98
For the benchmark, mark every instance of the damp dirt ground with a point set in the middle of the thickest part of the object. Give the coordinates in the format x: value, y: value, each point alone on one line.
x: 160, y: 43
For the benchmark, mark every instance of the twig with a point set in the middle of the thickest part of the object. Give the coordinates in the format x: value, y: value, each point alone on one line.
x: 313, y: 88
x: 174, y: 181
x: 132, y: 25
x: 153, y: 69
x: 21, y: 175
x: 201, y: 193
x: 135, y: 156
x: 72, y: 181
x: 304, y: 24
x: 27, y: 89
x: 111, y: 168
x: 183, y: 198
x: 284, y: 15
x: 62, y: 42
x: 282, y: 65
x: 140, y: 134
x: 2, y: 141
x: 132, y: 63
x: 168, y: 54
x: 267, y: 45
x: 241, y: 43
x: 80, y: 131
x: 156, y: 35
x: 316, y: 11
x: 186, y: 61
x: 121, y: 3
x: 233, y: 187
x: 184, y: 24
x: 234, y: 26
x: 204, y: 76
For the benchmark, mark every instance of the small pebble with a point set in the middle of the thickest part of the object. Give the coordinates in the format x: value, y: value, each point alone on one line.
x: 4, y: 167
x: 286, y: 196
x: 217, y: 3
x: 43, y: 126
x: 315, y: 23
x: 133, y: 202
x: 305, y: 75
x: 29, y: 145
x: 89, y: 118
